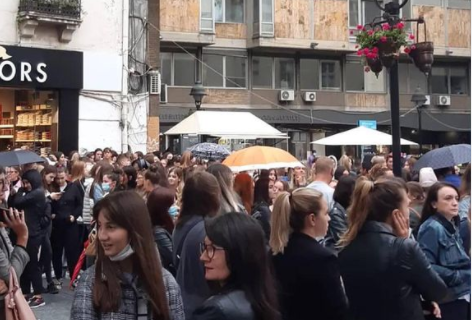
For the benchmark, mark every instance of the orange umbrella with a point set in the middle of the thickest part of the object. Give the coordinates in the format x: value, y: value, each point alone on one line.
x: 259, y: 157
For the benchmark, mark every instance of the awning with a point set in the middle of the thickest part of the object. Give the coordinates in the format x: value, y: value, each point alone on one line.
x: 243, y: 125
x: 248, y: 137
x: 361, y: 136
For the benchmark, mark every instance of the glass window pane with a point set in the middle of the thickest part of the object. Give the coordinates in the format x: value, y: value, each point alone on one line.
x: 403, y: 77
x: 267, y: 10
x: 330, y: 75
x: 206, y: 24
x: 459, y: 83
x: 309, y: 74
x: 210, y: 77
x: 166, y: 67
x: 184, y: 69
x: 219, y: 11
x: 206, y: 10
x: 235, y: 72
x: 371, y: 11
x: 353, y: 13
x: 354, y: 76
x: 262, y: 72
x: 417, y: 78
x: 234, y: 11
x: 255, y: 17
x: 284, y: 73
x: 374, y: 84
x: 439, y: 80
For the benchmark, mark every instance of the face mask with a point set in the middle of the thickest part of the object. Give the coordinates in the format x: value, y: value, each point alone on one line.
x: 106, y: 187
x: 125, y: 253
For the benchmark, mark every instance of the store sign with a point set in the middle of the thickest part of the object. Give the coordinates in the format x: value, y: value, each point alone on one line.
x: 40, y: 68
x: 371, y: 124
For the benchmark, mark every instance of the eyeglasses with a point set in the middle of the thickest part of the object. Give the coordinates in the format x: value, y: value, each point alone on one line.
x: 209, y: 248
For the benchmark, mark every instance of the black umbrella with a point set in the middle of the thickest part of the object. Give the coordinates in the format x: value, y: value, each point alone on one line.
x: 445, y: 157
x: 18, y: 158
x: 208, y: 150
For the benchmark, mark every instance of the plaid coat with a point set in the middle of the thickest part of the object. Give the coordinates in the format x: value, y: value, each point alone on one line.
x: 83, y: 309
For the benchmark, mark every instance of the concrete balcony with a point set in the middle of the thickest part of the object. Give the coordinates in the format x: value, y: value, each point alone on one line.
x: 65, y: 15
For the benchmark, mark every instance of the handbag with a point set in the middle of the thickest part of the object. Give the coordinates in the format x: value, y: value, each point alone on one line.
x: 16, y: 307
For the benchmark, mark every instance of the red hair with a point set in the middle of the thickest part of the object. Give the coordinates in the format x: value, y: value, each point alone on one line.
x: 244, y: 187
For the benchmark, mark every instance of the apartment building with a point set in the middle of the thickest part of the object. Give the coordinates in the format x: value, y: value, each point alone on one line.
x: 293, y: 64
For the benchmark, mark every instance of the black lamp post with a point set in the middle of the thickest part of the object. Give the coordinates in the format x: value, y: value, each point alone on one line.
x: 198, y: 92
x: 419, y: 99
x: 391, y: 16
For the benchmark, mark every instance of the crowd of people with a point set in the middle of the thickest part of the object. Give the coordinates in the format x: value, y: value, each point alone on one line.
x: 175, y: 237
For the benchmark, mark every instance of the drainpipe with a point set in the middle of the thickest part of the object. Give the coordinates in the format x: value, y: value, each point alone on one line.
x: 124, y: 83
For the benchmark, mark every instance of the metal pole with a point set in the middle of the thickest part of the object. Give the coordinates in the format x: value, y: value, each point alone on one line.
x: 420, y: 133
x: 395, y: 116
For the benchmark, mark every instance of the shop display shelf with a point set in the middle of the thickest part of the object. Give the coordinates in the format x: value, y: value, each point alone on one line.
x: 32, y: 110
x: 6, y: 137
x: 2, y: 126
x: 32, y: 125
x: 39, y: 140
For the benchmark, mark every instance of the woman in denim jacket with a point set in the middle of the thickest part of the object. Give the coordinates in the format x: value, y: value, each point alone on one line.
x: 440, y: 240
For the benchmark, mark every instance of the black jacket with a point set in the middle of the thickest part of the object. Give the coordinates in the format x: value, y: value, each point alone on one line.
x: 261, y: 212
x: 32, y: 202
x: 337, y: 226
x: 232, y: 305
x: 384, y: 275
x: 70, y: 204
x: 309, y: 281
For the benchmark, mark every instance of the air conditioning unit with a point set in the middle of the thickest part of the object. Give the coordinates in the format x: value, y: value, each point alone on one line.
x: 309, y: 96
x: 163, y: 94
x: 428, y: 100
x: 444, y: 100
x: 154, y: 82
x: 287, y: 95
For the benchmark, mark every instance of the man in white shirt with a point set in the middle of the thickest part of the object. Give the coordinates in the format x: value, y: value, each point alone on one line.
x: 322, y: 174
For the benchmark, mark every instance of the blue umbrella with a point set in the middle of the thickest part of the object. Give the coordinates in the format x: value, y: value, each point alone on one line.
x: 208, y: 150
x: 445, y: 157
x: 18, y: 158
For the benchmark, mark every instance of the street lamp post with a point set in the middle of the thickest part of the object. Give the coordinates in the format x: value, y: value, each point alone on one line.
x: 419, y: 99
x: 198, y: 92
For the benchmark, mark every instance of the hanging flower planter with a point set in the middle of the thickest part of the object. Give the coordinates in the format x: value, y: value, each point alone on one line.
x: 382, y: 42
x: 374, y: 65
x: 421, y: 53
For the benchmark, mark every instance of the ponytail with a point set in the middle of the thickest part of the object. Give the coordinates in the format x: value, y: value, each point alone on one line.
x: 280, y: 223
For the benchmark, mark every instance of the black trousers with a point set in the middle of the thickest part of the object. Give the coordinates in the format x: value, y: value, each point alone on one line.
x: 455, y: 310
x: 32, y: 272
x: 65, y: 237
x: 46, y: 255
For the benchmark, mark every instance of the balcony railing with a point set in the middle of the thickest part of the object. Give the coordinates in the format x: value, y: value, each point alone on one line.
x: 59, y: 8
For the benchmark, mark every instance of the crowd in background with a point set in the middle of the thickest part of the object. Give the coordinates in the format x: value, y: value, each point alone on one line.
x: 331, y: 240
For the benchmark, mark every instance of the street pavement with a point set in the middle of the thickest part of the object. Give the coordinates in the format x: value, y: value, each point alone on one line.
x: 57, y: 305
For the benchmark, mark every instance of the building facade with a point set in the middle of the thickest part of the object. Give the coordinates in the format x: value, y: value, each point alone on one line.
x: 73, y: 74
x: 293, y: 64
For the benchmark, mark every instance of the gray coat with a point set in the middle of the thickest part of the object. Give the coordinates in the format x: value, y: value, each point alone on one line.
x: 10, y: 256
x: 83, y: 309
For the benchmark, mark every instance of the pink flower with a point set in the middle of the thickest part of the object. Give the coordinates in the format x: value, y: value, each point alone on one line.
x: 412, y: 36
x: 375, y: 50
x: 383, y: 39
x: 366, y: 69
x: 413, y: 47
x: 400, y: 25
x: 370, y: 32
x: 351, y: 32
x: 359, y: 27
x: 407, y: 50
x: 385, y: 26
x: 359, y: 52
x: 366, y: 51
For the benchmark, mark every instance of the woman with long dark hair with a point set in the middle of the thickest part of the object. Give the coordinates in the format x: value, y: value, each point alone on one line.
x: 440, y: 240
x: 127, y: 281
x: 307, y: 273
x: 200, y: 199
x: 264, y: 194
x: 383, y: 271
x: 158, y: 204
x: 235, y: 259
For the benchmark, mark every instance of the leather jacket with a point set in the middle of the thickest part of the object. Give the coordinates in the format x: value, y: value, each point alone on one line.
x: 231, y: 305
x: 384, y: 275
x: 337, y: 226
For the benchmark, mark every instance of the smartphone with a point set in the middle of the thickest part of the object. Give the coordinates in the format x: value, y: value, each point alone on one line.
x: 2, y: 209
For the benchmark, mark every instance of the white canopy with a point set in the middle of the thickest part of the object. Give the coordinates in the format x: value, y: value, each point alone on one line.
x: 361, y: 136
x: 243, y: 125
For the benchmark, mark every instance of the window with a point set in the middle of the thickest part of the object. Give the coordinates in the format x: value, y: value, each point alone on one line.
x: 453, y: 80
x: 207, y: 24
x: 177, y: 69
x: 411, y: 78
x: 264, y: 18
x: 273, y: 73
x: 232, y: 68
x: 359, y: 80
x: 364, y: 11
x: 229, y: 11
x: 316, y: 75
x: 262, y: 72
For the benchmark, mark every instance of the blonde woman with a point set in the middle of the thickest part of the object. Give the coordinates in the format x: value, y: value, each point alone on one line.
x: 307, y: 272
x: 384, y: 272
